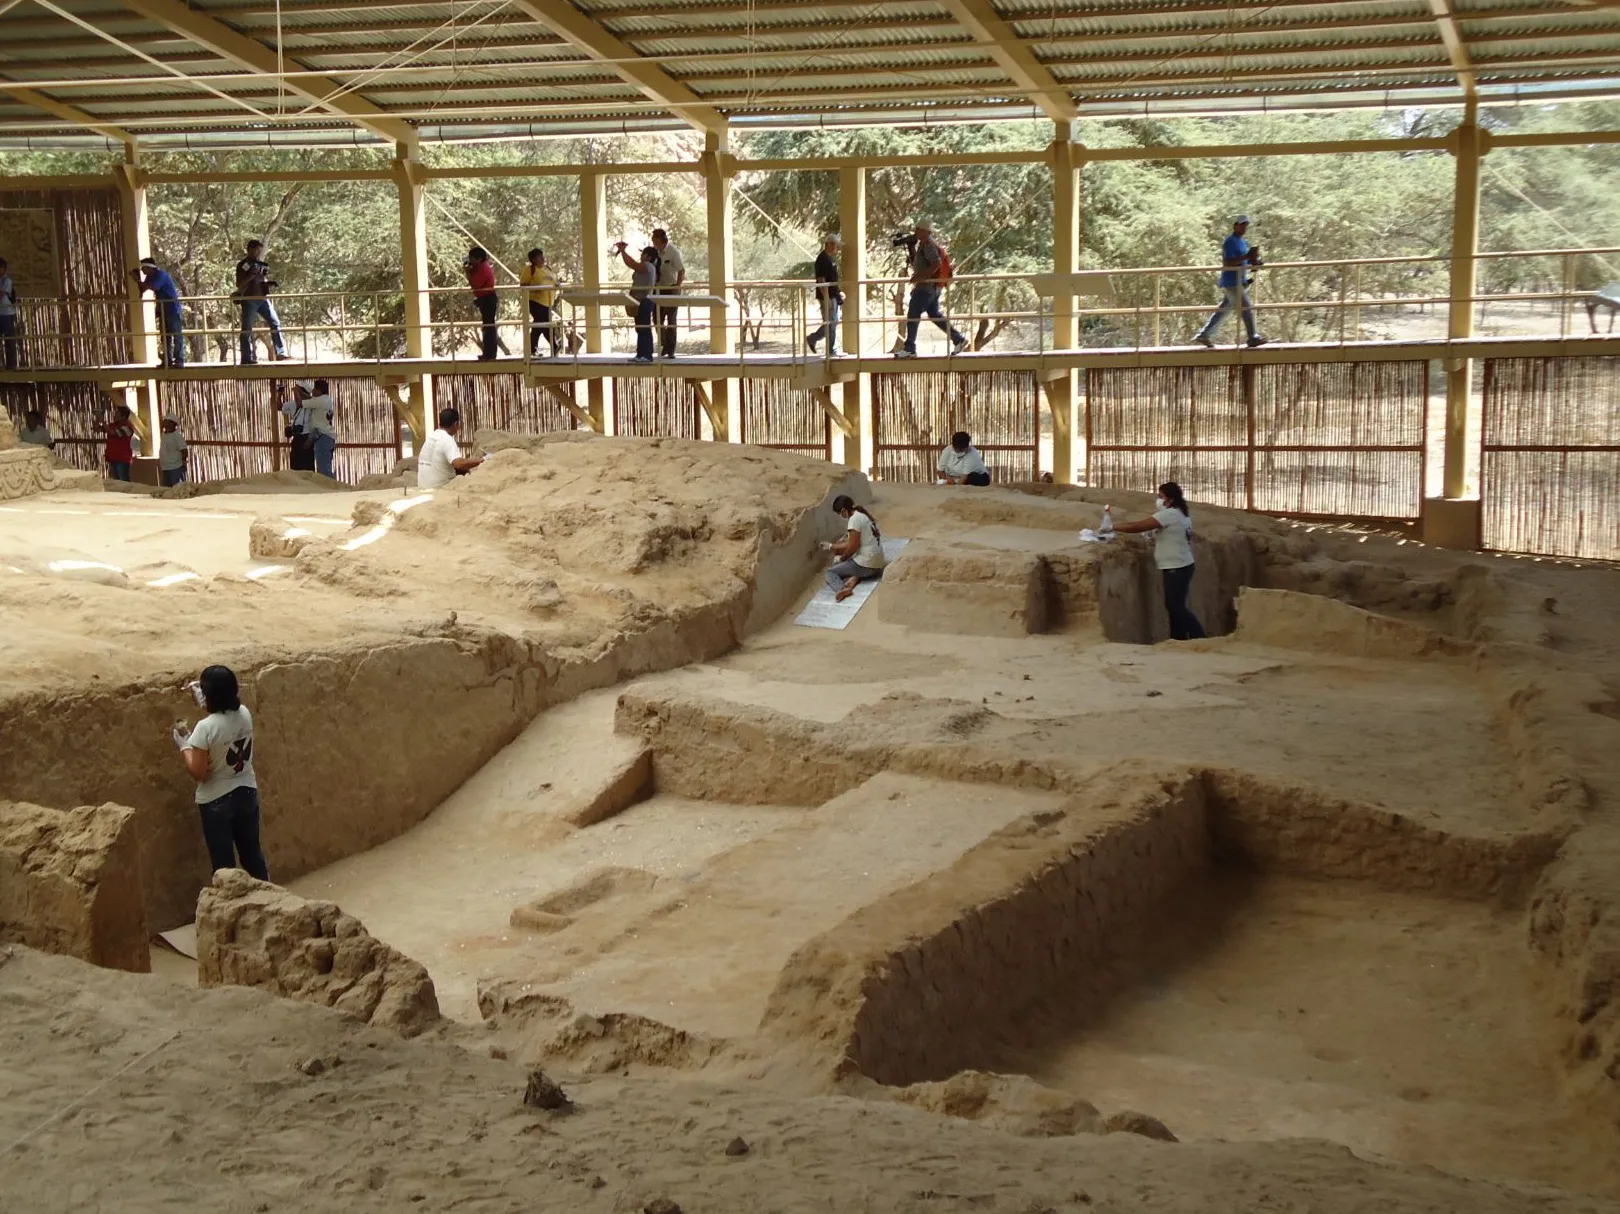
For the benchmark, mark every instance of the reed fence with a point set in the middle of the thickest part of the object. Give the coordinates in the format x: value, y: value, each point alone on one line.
x: 783, y: 418
x: 657, y: 407
x: 1342, y: 440
x: 76, y: 413
x: 1550, y: 467
x: 79, y: 321
x: 915, y: 414
x: 503, y: 402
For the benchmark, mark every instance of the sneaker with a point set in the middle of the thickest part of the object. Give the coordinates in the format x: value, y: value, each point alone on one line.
x: 902, y: 352
x: 811, y: 342
x: 835, y: 354
x: 641, y: 359
x: 1258, y: 341
x: 959, y: 346
x: 1204, y: 341
x: 899, y: 345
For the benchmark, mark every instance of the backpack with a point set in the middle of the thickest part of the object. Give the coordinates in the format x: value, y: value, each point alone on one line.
x: 946, y: 273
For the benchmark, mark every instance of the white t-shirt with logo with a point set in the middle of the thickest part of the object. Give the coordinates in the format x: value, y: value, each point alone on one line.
x: 171, y: 451
x: 228, y: 739
x: 671, y: 265
x: 434, y: 462
x: 1171, y: 546
x: 870, y: 554
x: 959, y: 464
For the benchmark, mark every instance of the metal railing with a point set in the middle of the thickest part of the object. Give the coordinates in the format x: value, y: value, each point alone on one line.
x: 1537, y: 292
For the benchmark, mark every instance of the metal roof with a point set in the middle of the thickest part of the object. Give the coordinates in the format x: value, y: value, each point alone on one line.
x: 222, y: 73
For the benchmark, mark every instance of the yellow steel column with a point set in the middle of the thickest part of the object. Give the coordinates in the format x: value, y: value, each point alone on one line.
x: 592, y: 240
x: 142, y: 315
x: 410, y: 182
x: 718, y: 167
x: 855, y: 448
x: 1467, y: 145
x: 1067, y: 160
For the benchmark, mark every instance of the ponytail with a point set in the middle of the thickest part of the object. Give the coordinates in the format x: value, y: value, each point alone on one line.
x: 844, y: 502
x: 1173, y: 495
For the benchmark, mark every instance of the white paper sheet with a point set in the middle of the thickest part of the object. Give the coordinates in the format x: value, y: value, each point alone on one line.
x: 823, y: 611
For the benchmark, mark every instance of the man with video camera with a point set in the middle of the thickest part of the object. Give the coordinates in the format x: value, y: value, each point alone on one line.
x: 1238, y: 257
x: 930, y: 274
x: 253, y: 287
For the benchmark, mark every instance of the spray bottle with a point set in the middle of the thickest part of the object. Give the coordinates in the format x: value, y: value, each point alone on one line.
x: 1105, y: 531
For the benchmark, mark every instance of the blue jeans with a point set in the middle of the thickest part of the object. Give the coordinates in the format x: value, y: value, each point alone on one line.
x: 829, y: 324
x: 646, y: 311
x: 117, y: 471
x: 925, y: 302
x: 172, y: 476
x: 251, y: 310
x: 846, y: 569
x: 172, y: 339
x: 325, y: 447
x: 1231, y: 298
x: 230, y: 828
x: 1184, y: 625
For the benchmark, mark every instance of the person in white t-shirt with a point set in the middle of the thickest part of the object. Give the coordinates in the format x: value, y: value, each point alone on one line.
x: 318, y: 410
x: 171, y: 454
x: 1171, y: 527
x: 440, y: 460
x: 671, y: 277
x: 961, y: 463
x: 218, y: 755
x: 861, y: 549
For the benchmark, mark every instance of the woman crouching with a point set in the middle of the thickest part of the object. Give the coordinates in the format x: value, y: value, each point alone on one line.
x: 861, y: 549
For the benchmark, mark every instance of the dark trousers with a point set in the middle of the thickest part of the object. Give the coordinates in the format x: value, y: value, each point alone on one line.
x: 543, y: 322
x: 666, y: 331
x: 1184, y: 625
x: 301, y: 453
x: 980, y: 479
x: 231, y: 829
x: 8, y: 339
x: 645, y: 315
x: 487, y: 307
x: 172, y: 476
x: 172, y: 343
x: 117, y: 470
x: 924, y: 301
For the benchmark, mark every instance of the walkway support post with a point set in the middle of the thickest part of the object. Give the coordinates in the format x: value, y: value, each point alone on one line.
x: 592, y: 240
x: 854, y: 447
x: 1068, y: 163
x: 141, y: 315
x: 410, y: 181
x: 1453, y: 521
x: 719, y: 167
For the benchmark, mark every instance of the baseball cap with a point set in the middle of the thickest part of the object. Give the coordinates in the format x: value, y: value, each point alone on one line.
x: 305, y: 385
x: 1240, y: 219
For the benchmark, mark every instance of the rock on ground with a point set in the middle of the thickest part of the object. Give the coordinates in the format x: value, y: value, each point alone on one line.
x: 70, y: 882
x: 252, y: 933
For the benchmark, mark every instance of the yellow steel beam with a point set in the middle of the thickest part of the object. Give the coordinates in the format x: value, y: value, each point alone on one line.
x: 226, y: 42
x: 566, y: 21
x: 67, y: 113
x: 1013, y: 56
x: 1451, y: 34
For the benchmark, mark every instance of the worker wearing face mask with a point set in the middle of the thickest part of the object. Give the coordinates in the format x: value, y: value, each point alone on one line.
x: 1171, y: 525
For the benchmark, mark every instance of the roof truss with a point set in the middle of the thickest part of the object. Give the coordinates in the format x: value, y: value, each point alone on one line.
x: 1015, y: 58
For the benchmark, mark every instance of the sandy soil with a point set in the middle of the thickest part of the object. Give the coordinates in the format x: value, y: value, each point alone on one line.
x: 1390, y: 935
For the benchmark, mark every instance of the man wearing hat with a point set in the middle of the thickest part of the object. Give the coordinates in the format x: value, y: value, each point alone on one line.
x: 297, y: 429
x: 828, y: 295
x: 1236, y: 258
x: 171, y: 454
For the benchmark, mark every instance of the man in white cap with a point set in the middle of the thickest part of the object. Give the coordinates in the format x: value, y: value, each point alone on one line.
x: 1236, y: 258
x: 828, y: 295
x: 297, y: 429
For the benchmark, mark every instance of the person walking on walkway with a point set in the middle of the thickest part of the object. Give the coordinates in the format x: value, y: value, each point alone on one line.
x: 481, y: 278
x: 828, y: 295
x: 671, y: 277
x: 1237, y: 258
x: 218, y: 755
x: 171, y: 325
x: 930, y: 274
x: 8, y: 317
x: 253, y: 287
x: 120, y: 449
x: 542, y: 280
x: 643, y: 279
x: 1171, y: 525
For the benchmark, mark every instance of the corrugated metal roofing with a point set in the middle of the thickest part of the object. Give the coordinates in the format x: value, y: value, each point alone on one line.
x: 469, y: 69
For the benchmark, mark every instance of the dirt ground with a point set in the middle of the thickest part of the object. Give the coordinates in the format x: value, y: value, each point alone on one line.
x: 1330, y: 896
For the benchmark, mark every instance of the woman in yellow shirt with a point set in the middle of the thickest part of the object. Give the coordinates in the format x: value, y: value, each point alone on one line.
x: 538, y: 274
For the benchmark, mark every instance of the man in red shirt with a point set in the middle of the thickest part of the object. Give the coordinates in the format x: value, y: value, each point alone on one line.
x: 481, y: 278
x: 120, y: 452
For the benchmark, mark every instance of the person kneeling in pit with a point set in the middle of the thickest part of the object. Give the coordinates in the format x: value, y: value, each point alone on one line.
x: 440, y: 460
x: 961, y: 463
x: 861, y: 549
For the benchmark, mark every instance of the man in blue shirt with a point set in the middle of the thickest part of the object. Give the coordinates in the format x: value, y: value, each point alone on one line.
x: 172, y: 344
x: 1236, y: 258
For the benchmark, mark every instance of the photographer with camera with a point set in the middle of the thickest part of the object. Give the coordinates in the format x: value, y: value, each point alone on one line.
x: 253, y: 287
x: 1238, y: 257
x: 930, y: 274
